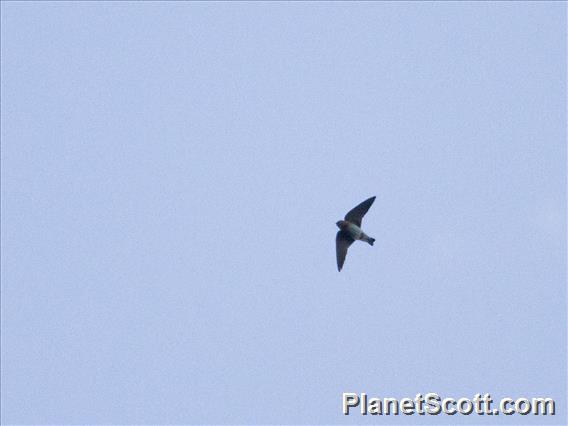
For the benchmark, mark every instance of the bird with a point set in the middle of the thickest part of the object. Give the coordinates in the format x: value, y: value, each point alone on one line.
x: 350, y: 230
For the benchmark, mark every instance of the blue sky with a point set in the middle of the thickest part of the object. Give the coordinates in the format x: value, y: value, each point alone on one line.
x: 171, y: 178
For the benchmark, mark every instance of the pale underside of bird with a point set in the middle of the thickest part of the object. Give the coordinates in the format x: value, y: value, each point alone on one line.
x: 350, y: 230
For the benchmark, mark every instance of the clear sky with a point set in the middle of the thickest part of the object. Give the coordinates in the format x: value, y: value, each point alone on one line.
x: 171, y: 178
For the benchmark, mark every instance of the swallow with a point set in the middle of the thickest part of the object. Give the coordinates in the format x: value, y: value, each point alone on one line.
x: 350, y: 230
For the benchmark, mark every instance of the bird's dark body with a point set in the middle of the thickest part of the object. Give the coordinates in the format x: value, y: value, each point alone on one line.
x: 350, y: 230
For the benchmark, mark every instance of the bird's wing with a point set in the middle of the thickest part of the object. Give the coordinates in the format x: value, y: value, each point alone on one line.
x: 355, y: 215
x: 342, y: 243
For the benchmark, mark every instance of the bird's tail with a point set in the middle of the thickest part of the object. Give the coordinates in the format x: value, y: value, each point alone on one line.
x: 370, y: 240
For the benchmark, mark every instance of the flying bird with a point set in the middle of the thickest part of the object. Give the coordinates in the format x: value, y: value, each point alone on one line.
x: 350, y: 230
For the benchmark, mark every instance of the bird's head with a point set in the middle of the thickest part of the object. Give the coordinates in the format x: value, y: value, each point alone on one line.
x: 340, y: 224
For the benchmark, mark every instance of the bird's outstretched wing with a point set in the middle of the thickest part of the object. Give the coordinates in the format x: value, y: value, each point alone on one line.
x: 342, y: 243
x: 355, y: 215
